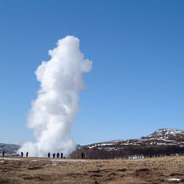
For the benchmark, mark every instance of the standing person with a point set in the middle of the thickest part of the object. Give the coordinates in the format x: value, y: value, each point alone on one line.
x: 22, y: 154
x: 49, y: 155
x: 54, y: 155
x: 82, y: 155
x: 57, y: 155
x: 3, y: 153
x: 27, y: 154
x: 61, y: 155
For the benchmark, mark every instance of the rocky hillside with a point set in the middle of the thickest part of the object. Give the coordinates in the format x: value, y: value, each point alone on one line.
x: 161, y: 142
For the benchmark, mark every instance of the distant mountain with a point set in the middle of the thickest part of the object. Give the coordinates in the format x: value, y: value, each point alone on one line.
x: 9, y: 148
x: 161, y: 142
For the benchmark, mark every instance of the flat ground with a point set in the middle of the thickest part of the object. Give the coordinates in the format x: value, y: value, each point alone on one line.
x: 64, y: 171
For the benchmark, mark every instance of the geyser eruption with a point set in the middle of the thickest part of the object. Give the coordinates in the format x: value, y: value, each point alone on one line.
x: 56, y: 105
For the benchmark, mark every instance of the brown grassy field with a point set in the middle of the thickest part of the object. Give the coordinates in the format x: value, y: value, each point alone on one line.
x: 57, y: 171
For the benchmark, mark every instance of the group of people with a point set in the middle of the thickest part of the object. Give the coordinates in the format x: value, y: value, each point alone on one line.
x: 54, y: 155
x: 22, y: 154
x: 58, y: 155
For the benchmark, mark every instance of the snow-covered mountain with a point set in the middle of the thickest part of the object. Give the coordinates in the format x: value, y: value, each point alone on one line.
x: 159, y: 137
x: 161, y: 142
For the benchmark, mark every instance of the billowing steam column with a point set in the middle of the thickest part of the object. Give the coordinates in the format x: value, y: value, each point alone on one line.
x: 56, y: 105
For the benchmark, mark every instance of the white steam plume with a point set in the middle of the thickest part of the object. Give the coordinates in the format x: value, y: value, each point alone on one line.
x: 53, y: 111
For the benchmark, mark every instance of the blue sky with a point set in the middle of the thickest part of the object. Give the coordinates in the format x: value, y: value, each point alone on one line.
x: 137, y: 47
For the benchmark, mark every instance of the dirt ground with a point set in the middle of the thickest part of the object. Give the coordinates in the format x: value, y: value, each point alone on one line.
x: 161, y: 170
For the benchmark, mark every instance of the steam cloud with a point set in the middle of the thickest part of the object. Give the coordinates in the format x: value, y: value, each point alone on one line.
x: 56, y: 105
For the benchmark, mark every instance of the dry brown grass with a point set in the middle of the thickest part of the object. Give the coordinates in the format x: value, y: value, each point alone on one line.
x: 141, y: 171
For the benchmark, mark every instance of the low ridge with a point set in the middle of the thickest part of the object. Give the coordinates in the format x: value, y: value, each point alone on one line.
x: 161, y: 142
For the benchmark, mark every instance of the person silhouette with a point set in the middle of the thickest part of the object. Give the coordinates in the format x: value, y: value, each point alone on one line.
x: 83, y: 155
x: 3, y: 153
